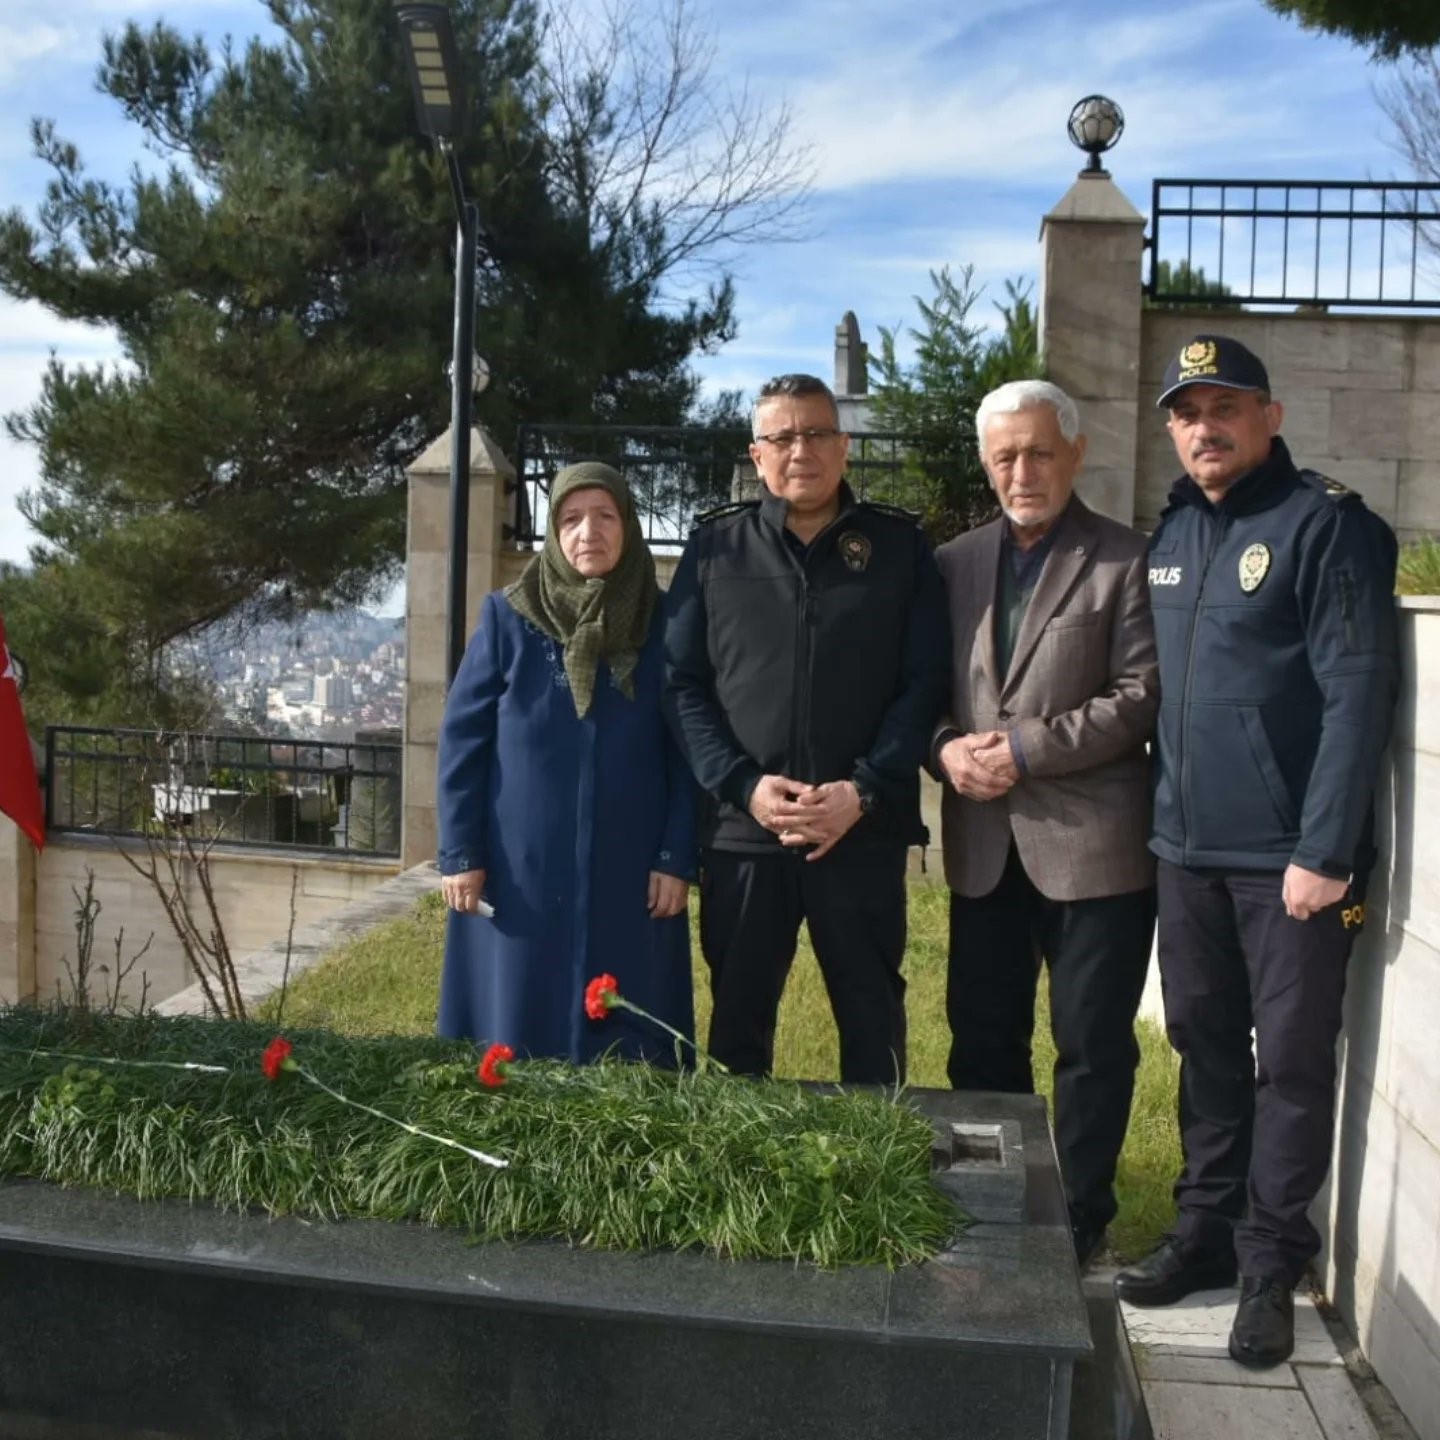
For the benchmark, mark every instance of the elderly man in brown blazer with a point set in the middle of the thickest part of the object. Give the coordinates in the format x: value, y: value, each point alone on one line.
x: 1046, y: 806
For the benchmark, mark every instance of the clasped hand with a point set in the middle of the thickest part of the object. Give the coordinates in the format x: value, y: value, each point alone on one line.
x: 981, y: 766
x: 801, y: 814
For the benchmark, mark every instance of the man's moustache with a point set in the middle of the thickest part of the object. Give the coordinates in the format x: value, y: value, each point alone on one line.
x: 1209, y: 444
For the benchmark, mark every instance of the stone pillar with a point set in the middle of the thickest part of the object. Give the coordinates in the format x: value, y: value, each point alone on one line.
x: 17, y: 914
x: 1090, y: 293
x: 426, y: 586
x: 852, y: 374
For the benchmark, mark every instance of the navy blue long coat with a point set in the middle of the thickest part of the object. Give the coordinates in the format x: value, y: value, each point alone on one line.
x: 567, y: 817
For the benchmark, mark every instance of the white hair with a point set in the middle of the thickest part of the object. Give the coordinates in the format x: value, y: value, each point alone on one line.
x: 1025, y: 395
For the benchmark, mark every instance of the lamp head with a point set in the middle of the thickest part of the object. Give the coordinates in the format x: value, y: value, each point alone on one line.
x: 1095, y: 124
x: 434, y: 67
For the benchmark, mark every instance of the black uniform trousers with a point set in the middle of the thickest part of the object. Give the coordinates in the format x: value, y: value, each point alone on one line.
x: 1098, y: 951
x: 1256, y: 1137
x: 853, y: 901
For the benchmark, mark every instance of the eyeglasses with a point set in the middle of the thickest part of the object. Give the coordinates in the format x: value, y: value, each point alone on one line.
x: 789, y: 439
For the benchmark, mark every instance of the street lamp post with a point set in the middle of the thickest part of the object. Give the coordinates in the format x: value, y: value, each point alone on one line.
x: 440, y: 106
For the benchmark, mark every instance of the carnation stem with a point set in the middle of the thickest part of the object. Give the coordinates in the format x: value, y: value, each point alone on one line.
x: 706, y: 1059
x: 479, y: 1155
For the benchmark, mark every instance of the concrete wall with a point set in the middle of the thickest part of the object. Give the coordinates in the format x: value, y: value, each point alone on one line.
x: 1361, y: 396
x: 252, y: 891
x: 1380, y: 1211
x: 17, y: 913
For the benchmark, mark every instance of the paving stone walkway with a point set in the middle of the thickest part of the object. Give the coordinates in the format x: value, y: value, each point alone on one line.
x: 1195, y: 1391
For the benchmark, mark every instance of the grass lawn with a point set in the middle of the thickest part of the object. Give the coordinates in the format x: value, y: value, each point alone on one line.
x: 387, y: 982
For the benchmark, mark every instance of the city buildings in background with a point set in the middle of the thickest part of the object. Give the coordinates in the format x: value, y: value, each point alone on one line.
x: 323, y: 676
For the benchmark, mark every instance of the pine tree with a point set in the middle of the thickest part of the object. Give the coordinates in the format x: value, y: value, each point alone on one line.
x: 932, y: 400
x: 1183, y: 278
x: 1388, y: 27
x: 283, y: 295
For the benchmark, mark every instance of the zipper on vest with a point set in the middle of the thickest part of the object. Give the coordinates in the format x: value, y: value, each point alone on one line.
x: 1220, y: 524
x: 805, y: 619
x: 805, y: 623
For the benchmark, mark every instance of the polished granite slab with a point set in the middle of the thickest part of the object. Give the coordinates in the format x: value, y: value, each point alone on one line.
x: 162, y: 1318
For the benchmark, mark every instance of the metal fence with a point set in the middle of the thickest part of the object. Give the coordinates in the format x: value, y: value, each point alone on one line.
x: 254, y: 791
x: 1295, y: 242
x: 678, y: 472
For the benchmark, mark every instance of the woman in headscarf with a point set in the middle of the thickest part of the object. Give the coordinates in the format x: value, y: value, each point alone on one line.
x: 564, y: 806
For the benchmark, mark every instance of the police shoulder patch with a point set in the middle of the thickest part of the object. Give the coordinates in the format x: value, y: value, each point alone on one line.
x: 732, y: 507
x: 1326, y: 485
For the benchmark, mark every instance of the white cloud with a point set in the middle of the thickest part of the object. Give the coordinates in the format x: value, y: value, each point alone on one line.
x: 29, y: 327
x: 22, y: 45
x: 28, y: 335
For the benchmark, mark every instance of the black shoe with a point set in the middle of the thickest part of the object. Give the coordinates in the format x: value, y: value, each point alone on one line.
x: 1087, y: 1240
x: 1264, y: 1331
x: 1171, y: 1272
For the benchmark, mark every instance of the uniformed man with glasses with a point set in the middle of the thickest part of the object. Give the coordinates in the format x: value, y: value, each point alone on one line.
x: 807, y: 662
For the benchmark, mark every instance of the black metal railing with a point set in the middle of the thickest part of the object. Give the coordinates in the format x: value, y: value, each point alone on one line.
x: 1295, y: 242
x: 678, y: 472
x: 341, y: 798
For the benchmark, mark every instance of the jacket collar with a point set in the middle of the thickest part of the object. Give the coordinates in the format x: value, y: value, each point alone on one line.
x: 774, y: 510
x: 1257, y: 490
x: 1071, y: 550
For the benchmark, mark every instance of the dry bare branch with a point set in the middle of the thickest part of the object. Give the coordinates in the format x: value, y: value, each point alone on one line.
x: 668, y: 167
x: 1410, y: 97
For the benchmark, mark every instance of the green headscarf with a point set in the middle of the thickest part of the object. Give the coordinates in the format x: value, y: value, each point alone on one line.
x: 602, y: 619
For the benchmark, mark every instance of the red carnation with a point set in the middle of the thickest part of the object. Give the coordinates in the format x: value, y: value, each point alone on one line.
x: 493, y: 1065
x: 276, y: 1057
x: 602, y: 995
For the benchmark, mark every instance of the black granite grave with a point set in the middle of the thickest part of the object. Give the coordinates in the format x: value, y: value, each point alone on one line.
x: 158, y: 1320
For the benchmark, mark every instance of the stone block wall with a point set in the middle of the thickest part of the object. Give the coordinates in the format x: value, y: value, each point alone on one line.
x: 1361, y: 396
x: 252, y: 891
x: 1380, y: 1212
x: 17, y: 912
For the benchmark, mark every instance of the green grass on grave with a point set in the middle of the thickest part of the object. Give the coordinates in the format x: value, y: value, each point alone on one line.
x: 387, y: 982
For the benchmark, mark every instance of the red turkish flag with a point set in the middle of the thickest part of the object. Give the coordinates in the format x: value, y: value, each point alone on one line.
x: 19, y: 789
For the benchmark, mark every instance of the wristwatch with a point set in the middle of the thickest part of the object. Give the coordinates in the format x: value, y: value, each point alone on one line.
x: 867, y: 797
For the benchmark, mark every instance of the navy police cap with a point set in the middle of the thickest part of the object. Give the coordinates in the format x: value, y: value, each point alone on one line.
x: 1213, y: 360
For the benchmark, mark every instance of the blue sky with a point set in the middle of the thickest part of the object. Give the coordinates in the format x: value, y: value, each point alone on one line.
x: 937, y: 131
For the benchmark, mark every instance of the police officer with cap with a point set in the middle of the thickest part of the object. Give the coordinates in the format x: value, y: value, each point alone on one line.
x: 1272, y: 591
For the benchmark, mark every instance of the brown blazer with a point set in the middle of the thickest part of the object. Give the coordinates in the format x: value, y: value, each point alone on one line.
x: 1082, y: 692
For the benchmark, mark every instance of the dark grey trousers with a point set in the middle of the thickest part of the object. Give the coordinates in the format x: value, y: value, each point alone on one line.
x: 1256, y: 1121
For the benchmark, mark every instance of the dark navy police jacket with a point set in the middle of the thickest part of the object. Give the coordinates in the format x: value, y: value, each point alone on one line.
x: 1275, y: 624
x: 827, y: 663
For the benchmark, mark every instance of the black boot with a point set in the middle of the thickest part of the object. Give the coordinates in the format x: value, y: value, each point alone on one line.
x: 1171, y: 1272
x: 1264, y: 1329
